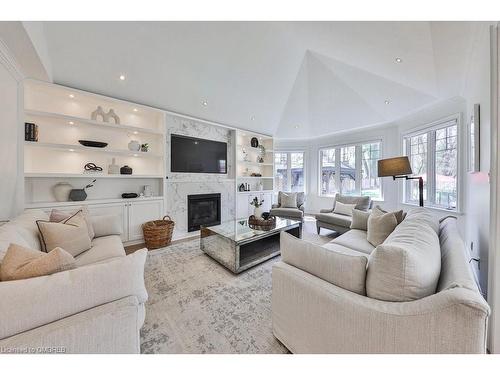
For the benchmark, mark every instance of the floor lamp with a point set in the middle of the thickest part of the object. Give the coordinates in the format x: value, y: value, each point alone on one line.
x: 400, y: 168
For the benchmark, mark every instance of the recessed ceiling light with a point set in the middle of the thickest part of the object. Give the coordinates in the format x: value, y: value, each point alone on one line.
x: 135, y: 132
x: 252, y: 118
x: 135, y: 109
x: 71, y: 123
x: 135, y: 155
x: 205, y: 103
x: 122, y: 78
x: 387, y: 101
x: 296, y: 126
x: 71, y: 150
x: 399, y: 60
x: 71, y: 96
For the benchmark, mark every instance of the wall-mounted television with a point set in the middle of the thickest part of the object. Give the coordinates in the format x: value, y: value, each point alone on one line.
x: 196, y: 155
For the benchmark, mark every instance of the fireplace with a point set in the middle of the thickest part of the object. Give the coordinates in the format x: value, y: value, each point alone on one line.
x: 203, y: 209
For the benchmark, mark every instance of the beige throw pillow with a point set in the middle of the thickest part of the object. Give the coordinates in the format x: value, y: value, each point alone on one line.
x: 23, y: 263
x: 343, y: 208
x: 289, y: 200
x: 380, y: 226
x: 57, y: 216
x: 400, y: 215
x: 71, y: 234
x: 360, y: 219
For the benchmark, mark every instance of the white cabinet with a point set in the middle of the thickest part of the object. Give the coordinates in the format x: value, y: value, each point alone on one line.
x: 139, y: 213
x: 242, y: 206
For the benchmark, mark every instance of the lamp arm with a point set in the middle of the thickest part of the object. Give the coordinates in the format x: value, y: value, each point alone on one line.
x: 420, y: 187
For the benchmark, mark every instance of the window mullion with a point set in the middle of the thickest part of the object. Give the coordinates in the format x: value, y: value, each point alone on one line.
x: 431, y: 167
x: 289, y: 170
x: 358, y: 155
x: 337, y: 170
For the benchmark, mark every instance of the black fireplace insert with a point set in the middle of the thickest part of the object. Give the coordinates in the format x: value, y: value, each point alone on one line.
x: 203, y: 209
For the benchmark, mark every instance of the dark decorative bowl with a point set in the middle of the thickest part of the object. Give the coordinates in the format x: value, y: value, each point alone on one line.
x: 92, y: 143
x: 129, y: 195
x: 266, y: 215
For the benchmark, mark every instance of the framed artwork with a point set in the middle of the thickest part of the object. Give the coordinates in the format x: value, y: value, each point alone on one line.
x: 473, y: 134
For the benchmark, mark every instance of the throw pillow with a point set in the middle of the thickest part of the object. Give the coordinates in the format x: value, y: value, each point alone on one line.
x: 58, y: 216
x: 380, y: 226
x: 343, y: 208
x: 289, y: 200
x: 23, y: 263
x: 70, y: 234
x: 400, y: 215
x: 360, y: 219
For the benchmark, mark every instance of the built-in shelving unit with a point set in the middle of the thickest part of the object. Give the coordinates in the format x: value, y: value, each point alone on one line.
x: 91, y: 202
x: 63, y: 116
x: 247, y: 164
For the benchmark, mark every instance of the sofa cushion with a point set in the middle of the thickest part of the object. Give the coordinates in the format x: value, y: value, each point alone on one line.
x: 288, y: 200
x: 9, y: 235
x: 301, y: 198
x: 332, y: 245
x: 362, y: 202
x: 335, y: 219
x: 344, y: 208
x: 59, y: 215
x: 22, y: 263
x: 407, y: 265
x: 103, y: 249
x: 400, y: 215
x: 343, y: 269
x: 421, y: 215
x: 25, y: 225
x: 380, y: 226
x: 356, y: 240
x: 71, y: 234
x: 287, y: 212
x: 360, y: 219
x: 106, y: 225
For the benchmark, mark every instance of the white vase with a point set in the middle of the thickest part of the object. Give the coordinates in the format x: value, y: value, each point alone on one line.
x: 61, y: 191
x: 257, y: 212
x: 134, y: 145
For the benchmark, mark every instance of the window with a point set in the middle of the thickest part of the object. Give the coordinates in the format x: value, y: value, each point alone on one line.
x: 289, y: 171
x: 351, y: 170
x: 433, y: 155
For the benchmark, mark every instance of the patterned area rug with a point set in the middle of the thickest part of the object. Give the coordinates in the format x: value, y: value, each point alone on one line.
x: 197, y: 306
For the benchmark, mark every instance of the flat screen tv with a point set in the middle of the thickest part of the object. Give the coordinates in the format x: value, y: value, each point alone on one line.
x: 195, y: 155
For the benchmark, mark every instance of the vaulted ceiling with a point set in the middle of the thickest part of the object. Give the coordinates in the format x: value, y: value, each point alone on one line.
x: 289, y: 79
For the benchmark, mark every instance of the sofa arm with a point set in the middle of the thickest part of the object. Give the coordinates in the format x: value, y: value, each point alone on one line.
x: 326, y: 210
x: 301, y: 207
x: 275, y: 206
x: 106, y: 225
x: 41, y: 300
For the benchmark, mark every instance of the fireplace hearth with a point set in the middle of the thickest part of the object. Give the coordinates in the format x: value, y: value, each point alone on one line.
x: 203, y: 209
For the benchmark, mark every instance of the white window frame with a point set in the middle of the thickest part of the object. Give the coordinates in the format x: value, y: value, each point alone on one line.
x: 289, y: 167
x: 359, y: 155
x: 430, y: 129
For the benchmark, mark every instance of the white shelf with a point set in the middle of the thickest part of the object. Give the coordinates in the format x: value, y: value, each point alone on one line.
x: 253, y: 148
x: 255, y: 163
x: 79, y: 120
x: 88, y: 201
x: 76, y: 175
x: 255, y: 191
x: 253, y: 177
x: 67, y: 147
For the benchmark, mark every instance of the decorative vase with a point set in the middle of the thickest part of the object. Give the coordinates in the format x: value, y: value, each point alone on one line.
x: 125, y: 170
x: 134, y: 145
x: 77, y: 195
x: 254, y: 142
x: 113, y: 168
x: 98, y: 112
x: 61, y: 191
x: 257, y: 212
x: 111, y: 114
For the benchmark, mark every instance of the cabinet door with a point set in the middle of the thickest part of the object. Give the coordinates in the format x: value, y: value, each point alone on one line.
x: 119, y: 209
x: 242, y: 206
x: 268, y: 200
x: 139, y: 213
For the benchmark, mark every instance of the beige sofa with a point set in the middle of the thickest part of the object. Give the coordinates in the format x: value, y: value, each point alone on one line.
x: 340, y: 223
x: 412, y: 294
x: 97, y: 307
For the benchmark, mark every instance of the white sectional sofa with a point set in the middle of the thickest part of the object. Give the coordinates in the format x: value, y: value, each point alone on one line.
x: 415, y: 293
x: 97, y: 307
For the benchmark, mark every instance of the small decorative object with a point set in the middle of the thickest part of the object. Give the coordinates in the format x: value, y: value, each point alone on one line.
x: 256, y: 174
x: 148, y: 192
x: 129, y: 195
x: 112, y: 115
x: 145, y: 147
x: 61, y: 191
x: 474, y: 140
x: 261, y: 186
x: 245, y: 172
x: 98, y: 112
x: 242, y: 187
x: 113, y: 168
x: 254, y: 142
x: 92, y: 168
x: 30, y: 132
x: 80, y: 194
x: 260, y: 159
x: 260, y: 223
x: 257, y: 204
x: 134, y: 145
x: 265, y: 215
x: 158, y: 233
x: 125, y: 170
x: 245, y: 154
x: 262, y: 150
x: 86, y: 143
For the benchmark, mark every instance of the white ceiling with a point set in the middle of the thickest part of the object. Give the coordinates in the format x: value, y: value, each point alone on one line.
x: 297, y: 79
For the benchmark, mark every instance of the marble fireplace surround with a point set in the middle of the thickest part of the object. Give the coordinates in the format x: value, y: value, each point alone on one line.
x: 179, y: 185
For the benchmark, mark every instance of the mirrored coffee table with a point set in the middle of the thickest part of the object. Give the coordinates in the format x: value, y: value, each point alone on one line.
x: 238, y: 246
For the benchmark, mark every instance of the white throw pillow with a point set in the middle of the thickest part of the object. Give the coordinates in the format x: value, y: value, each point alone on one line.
x: 289, y: 200
x: 106, y: 225
x: 380, y: 226
x: 360, y: 219
x: 344, y: 208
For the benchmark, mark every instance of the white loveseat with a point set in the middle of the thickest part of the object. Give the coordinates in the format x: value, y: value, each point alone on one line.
x: 97, y: 307
x: 338, y: 298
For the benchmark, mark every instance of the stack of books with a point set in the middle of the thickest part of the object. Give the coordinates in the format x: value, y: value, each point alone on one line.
x: 30, y: 132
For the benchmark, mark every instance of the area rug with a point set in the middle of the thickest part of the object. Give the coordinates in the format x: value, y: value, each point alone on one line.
x: 197, y: 306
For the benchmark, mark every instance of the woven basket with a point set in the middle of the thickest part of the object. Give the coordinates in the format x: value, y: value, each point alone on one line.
x: 158, y: 233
